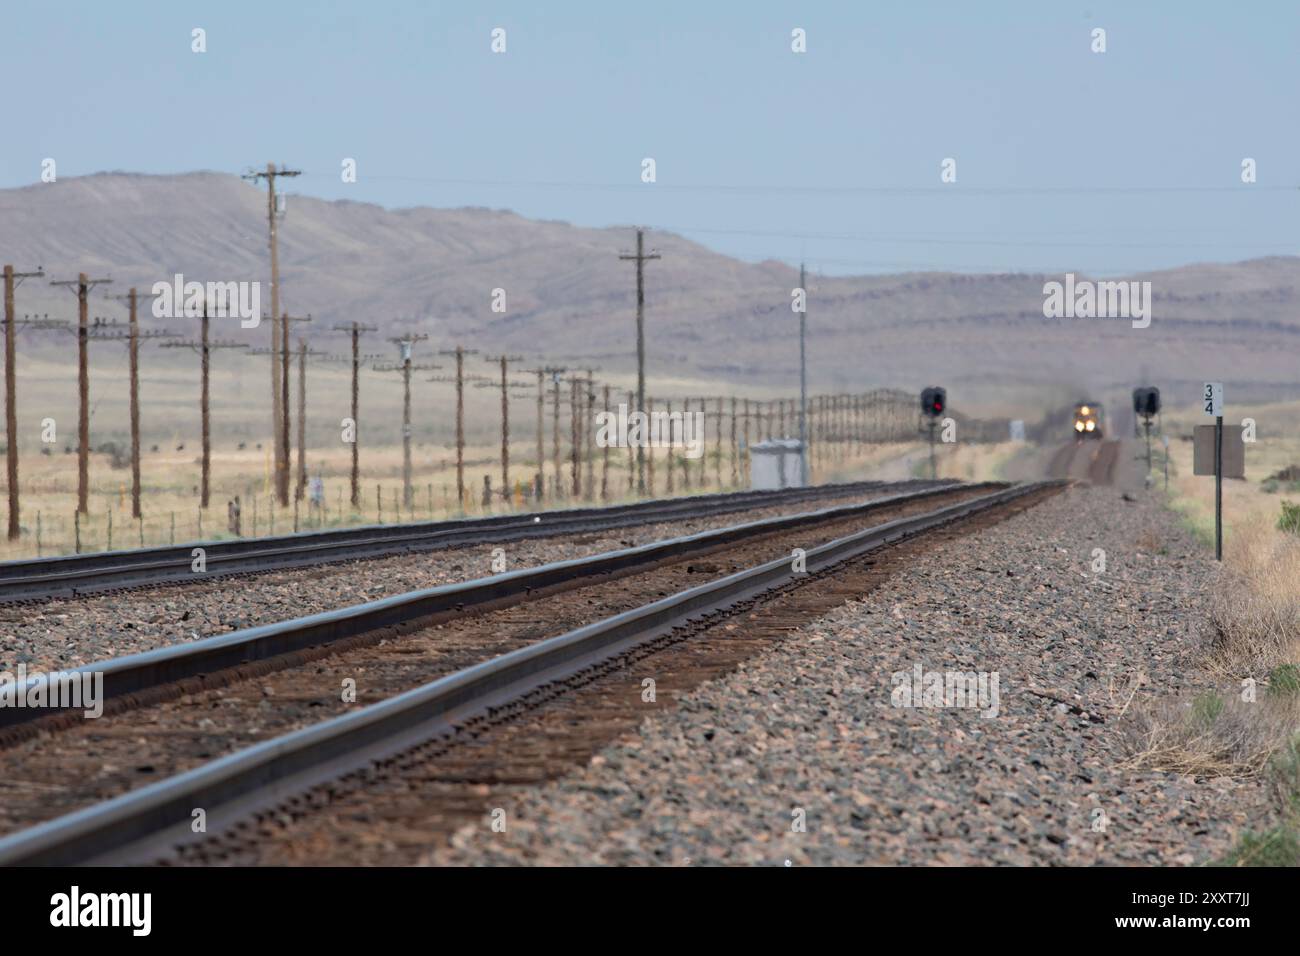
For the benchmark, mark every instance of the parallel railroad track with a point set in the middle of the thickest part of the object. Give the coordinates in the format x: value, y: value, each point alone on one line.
x: 140, y: 822
x: 112, y: 571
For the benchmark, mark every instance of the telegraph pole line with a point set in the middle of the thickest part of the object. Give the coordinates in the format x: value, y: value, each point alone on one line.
x: 83, y: 286
x: 405, y: 344
x: 641, y: 257
x: 355, y: 330
x: 460, y: 379
x: 505, y: 385
x: 205, y: 346
x: 133, y: 338
x: 279, y: 397
x: 12, y: 280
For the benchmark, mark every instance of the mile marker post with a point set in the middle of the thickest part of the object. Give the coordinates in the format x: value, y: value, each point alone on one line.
x: 1213, y: 402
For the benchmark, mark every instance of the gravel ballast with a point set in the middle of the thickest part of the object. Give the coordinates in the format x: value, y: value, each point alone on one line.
x: 812, y: 733
x: 74, y: 632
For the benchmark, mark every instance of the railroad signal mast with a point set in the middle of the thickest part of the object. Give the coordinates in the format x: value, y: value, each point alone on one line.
x: 12, y: 280
x: 1146, y: 406
x: 934, y: 403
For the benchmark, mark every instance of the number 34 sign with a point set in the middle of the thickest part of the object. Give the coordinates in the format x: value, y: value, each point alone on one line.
x: 1212, y: 399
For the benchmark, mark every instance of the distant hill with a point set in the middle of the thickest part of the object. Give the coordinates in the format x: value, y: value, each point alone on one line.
x: 710, y: 319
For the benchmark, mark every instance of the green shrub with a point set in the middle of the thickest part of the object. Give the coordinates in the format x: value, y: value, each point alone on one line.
x: 1206, y: 710
x: 1284, y: 680
x: 1276, y: 847
x: 1290, y: 520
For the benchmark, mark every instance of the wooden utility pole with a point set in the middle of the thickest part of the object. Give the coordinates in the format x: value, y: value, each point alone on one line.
x: 668, y: 447
x: 604, y: 470
x: 12, y: 281
x: 588, y: 433
x: 204, y: 346
x: 650, y: 459
x: 460, y: 379
x: 355, y: 330
x: 631, y: 452
x: 505, y: 385
x: 279, y: 341
x: 83, y: 286
x: 541, y: 372
x: 686, y: 462
x: 746, y: 460
x: 575, y: 411
x: 804, y: 472
x: 303, y: 352
x: 133, y: 337
x: 286, y: 416
x: 405, y: 344
x: 641, y: 257
x: 555, y: 428
x: 735, y: 477
x: 588, y: 442
x: 717, y: 447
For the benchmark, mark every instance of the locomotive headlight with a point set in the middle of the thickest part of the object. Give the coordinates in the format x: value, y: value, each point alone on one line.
x: 1078, y: 426
x: 1091, y: 425
x: 1084, y: 410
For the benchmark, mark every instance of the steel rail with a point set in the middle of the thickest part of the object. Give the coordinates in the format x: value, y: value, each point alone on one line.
x: 204, y: 658
x: 144, y: 822
x: 84, y: 574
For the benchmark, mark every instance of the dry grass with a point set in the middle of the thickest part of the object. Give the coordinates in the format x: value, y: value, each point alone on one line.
x: 1212, y: 735
x: 1252, y: 647
x: 1255, y: 612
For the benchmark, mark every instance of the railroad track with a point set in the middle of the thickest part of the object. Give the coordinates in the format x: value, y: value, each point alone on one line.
x: 112, y: 571
x: 145, y: 821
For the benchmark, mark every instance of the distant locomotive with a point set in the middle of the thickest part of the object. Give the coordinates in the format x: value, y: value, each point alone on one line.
x: 1087, y: 420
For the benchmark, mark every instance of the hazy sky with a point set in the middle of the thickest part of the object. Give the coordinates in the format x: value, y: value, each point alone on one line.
x: 1066, y: 158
